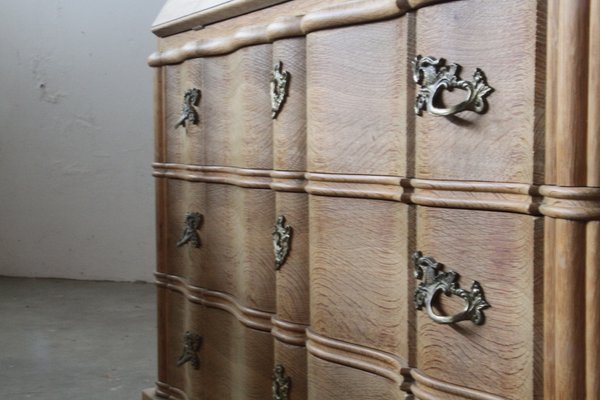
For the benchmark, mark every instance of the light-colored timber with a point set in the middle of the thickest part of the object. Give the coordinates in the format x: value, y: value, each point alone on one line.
x: 509, y: 198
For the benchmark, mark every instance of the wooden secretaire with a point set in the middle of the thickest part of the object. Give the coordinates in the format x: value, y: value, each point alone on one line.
x: 378, y: 199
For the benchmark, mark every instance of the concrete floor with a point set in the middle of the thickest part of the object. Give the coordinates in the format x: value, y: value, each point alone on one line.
x: 76, y: 340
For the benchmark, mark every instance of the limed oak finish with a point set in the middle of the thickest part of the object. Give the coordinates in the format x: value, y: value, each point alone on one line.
x: 368, y: 205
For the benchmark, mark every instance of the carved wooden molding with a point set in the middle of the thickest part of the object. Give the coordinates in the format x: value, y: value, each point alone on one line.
x: 351, y: 13
x: 288, y: 332
x: 426, y: 387
x: 573, y: 203
x: 355, y: 356
x: 252, y: 318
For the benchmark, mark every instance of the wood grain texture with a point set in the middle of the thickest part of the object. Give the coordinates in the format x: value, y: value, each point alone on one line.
x: 289, y: 128
x: 292, y: 278
x: 330, y: 381
x: 571, y: 90
x: 498, y: 145
x: 574, y: 203
x: 593, y: 113
x: 238, y: 361
x: 592, y: 315
x: 428, y: 388
x: 351, y: 240
x: 249, y: 317
x: 268, y: 27
x: 293, y: 358
x: 552, y: 99
x: 549, y: 310
x: 235, y: 255
x: 355, y: 356
x: 569, y: 324
x: 357, y: 105
x: 235, y: 108
x: 239, y: 249
x: 498, y: 250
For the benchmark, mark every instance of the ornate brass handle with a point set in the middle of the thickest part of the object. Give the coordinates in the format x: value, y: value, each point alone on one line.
x: 191, y: 346
x: 434, y: 77
x: 190, y: 232
x: 188, y: 112
x: 281, y: 383
x: 436, y: 282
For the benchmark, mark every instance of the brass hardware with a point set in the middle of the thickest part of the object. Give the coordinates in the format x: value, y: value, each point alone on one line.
x: 281, y: 241
x: 281, y: 383
x: 435, y: 77
x: 188, y: 112
x: 191, y: 346
x: 190, y: 233
x: 436, y: 282
x: 278, y: 88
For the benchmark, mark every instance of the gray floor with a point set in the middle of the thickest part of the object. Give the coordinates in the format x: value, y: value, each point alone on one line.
x: 76, y: 340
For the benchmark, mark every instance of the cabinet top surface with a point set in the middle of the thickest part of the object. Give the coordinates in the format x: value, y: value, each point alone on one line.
x: 181, y: 15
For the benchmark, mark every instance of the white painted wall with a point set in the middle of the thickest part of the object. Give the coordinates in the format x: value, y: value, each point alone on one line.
x: 76, y: 192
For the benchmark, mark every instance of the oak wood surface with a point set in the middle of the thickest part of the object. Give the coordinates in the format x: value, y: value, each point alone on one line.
x: 364, y: 183
x: 358, y: 276
x: 499, y: 251
x: 498, y: 145
x: 356, y: 105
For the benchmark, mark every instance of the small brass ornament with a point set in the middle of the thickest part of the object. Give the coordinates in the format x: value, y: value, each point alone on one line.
x: 434, y: 282
x: 279, y: 85
x: 434, y: 77
x: 281, y: 241
x: 191, y: 346
x: 190, y: 232
x: 188, y: 112
x: 281, y: 383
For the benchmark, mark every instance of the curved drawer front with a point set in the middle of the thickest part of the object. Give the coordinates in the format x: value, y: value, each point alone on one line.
x: 234, y: 125
x: 503, y: 253
x: 502, y: 144
x: 235, y: 253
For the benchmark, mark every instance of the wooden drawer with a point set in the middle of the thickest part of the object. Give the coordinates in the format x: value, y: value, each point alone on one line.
x: 235, y: 255
x: 357, y: 266
x: 357, y: 99
x: 506, y: 143
x: 209, y: 340
x: 503, y: 252
x: 234, y: 123
x: 332, y: 381
x: 183, y: 358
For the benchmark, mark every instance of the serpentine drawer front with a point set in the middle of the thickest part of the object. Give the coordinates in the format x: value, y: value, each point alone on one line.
x: 377, y: 200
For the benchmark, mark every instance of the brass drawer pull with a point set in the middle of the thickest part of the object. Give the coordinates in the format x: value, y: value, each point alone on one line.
x: 190, y: 232
x: 281, y: 383
x: 279, y: 84
x: 188, y: 112
x: 434, y: 77
x: 282, y: 234
x: 191, y: 346
x: 436, y: 282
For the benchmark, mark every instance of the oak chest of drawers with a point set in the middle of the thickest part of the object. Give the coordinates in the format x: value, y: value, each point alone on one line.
x: 322, y: 169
